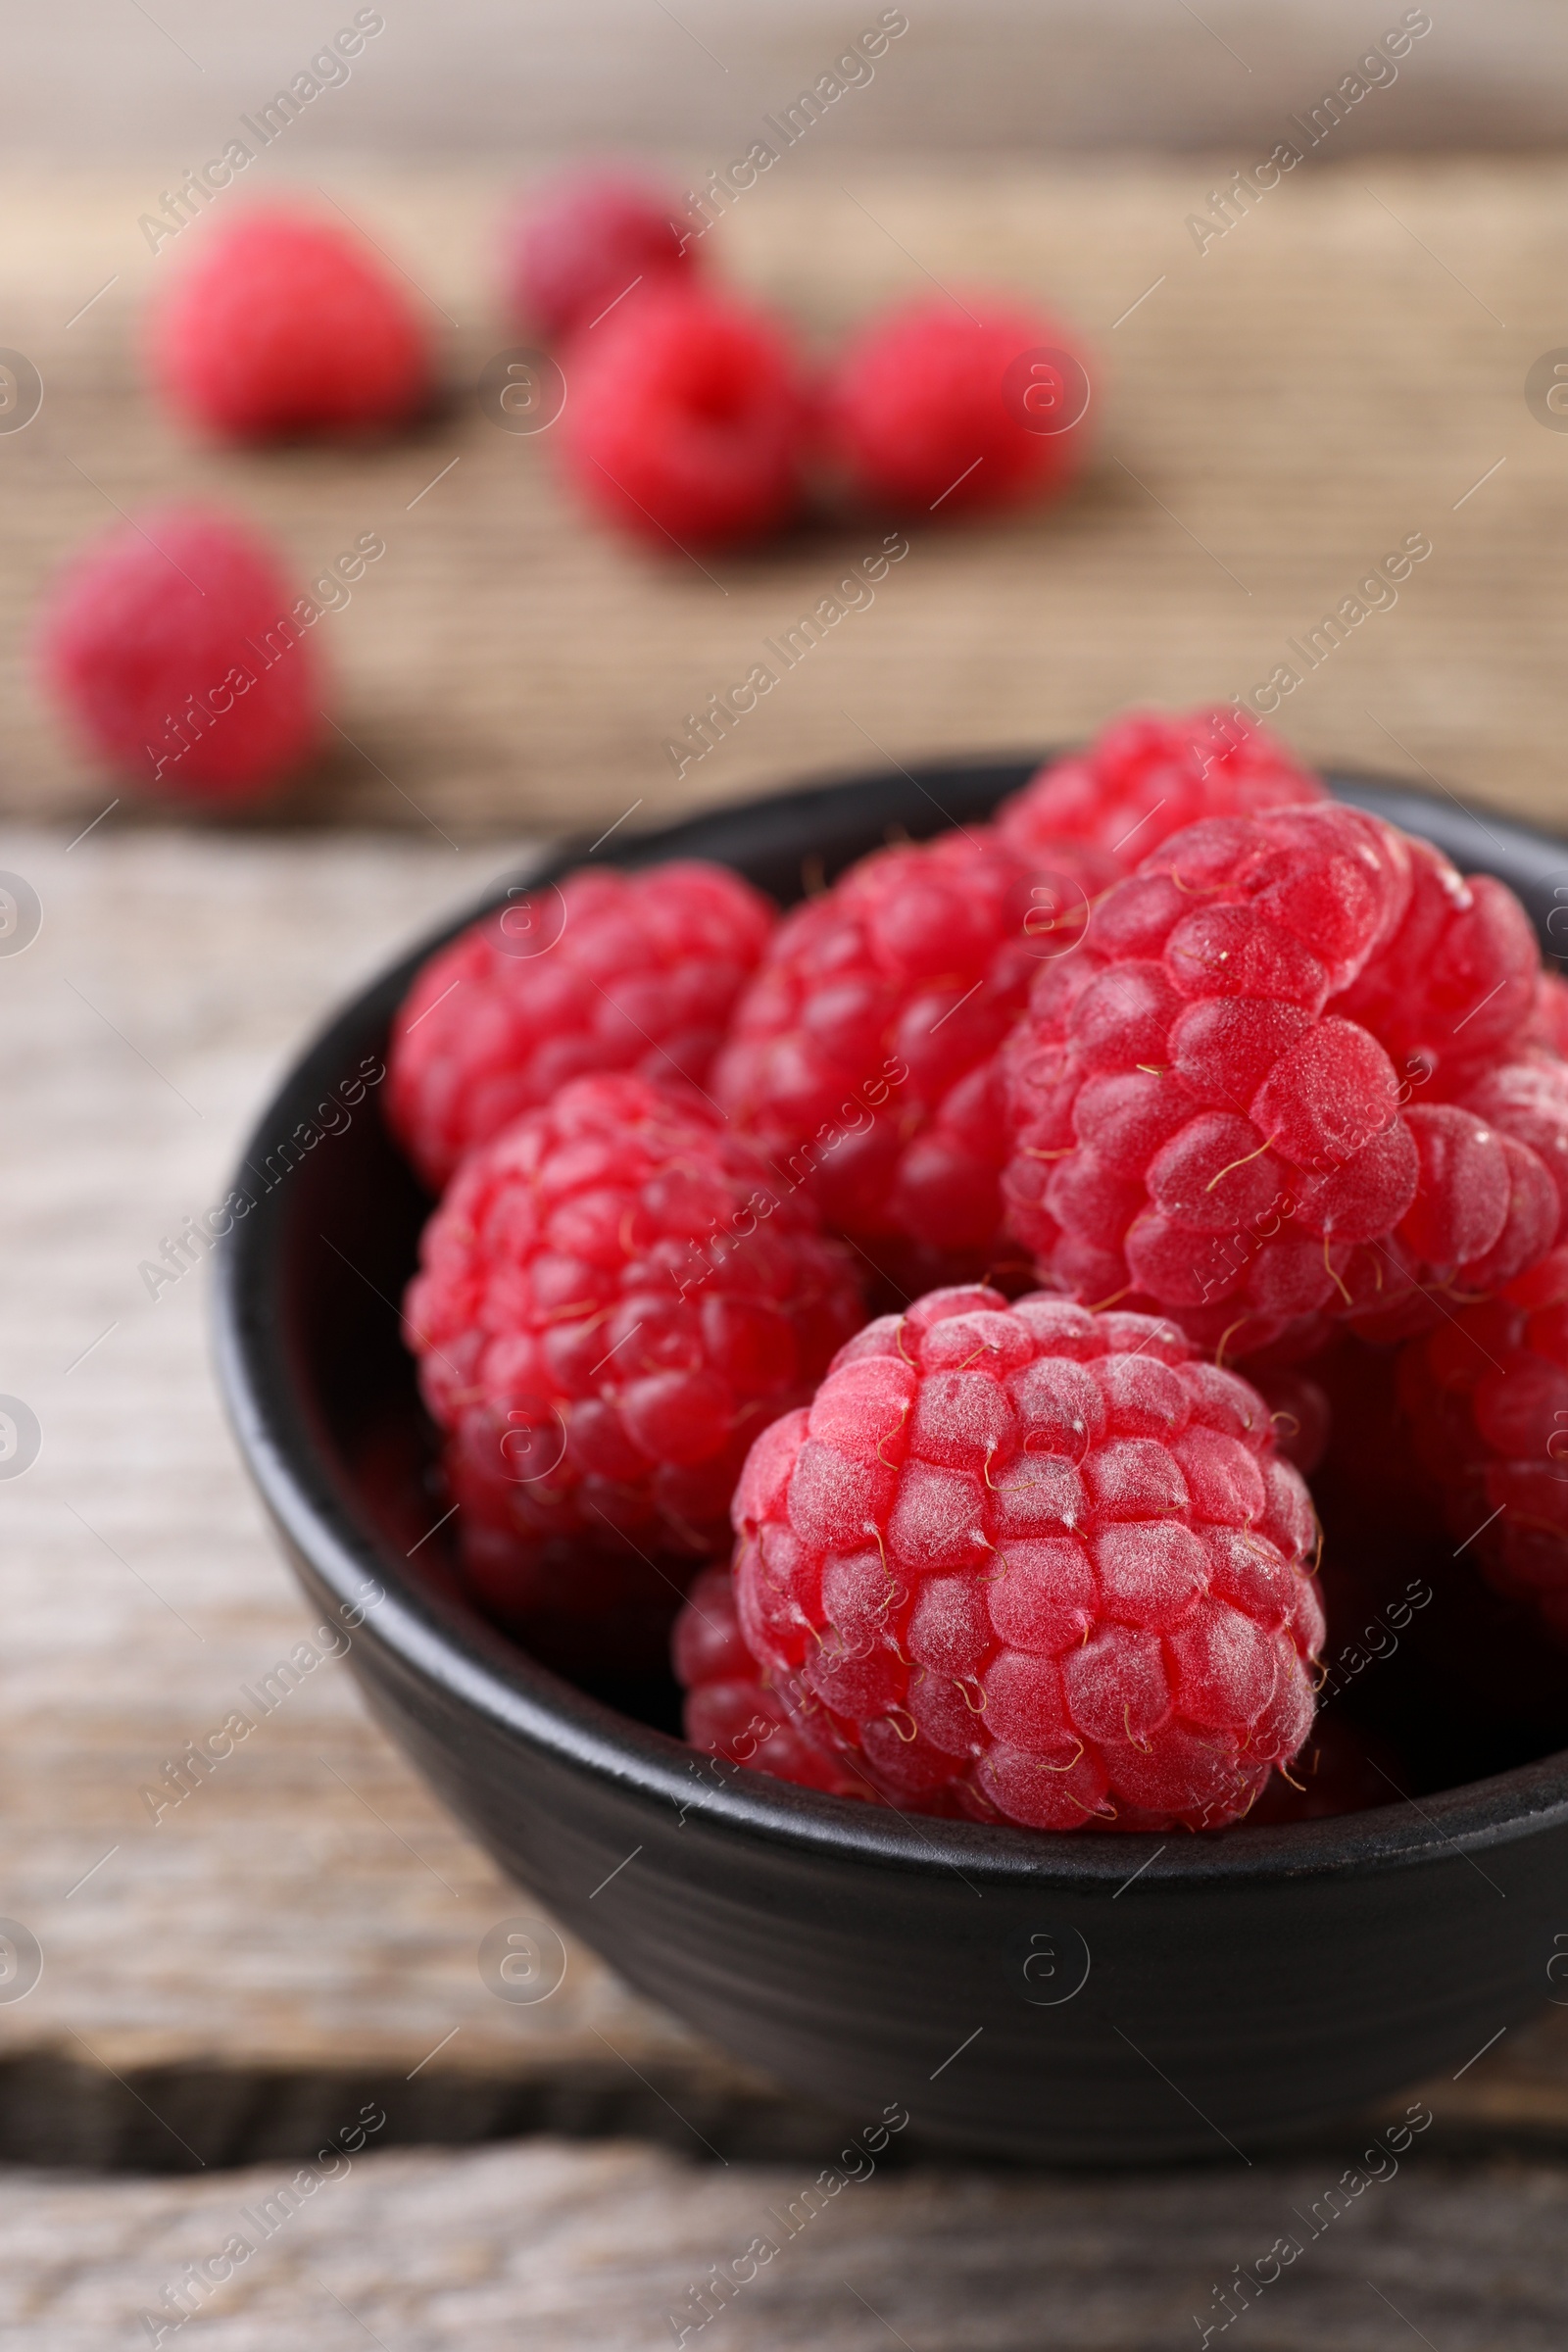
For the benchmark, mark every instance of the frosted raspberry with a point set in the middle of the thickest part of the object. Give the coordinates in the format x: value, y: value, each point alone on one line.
x: 1202, y: 1125
x: 1148, y: 776
x: 923, y: 412
x: 282, y: 324
x: 861, y: 1054
x: 1033, y: 1564
x: 683, y: 418
x: 603, y: 971
x: 1485, y: 1400
x: 613, y: 1301
x: 171, y: 645
x: 585, y: 242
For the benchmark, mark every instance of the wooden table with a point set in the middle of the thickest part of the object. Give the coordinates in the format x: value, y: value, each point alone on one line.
x: 575, y: 2249
x: 233, y: 1982
x: 1276, y: 414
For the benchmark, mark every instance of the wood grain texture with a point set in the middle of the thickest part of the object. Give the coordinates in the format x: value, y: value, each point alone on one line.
x: 602, y: 2251
x: 1345, y: 366
x: 307, y: 1910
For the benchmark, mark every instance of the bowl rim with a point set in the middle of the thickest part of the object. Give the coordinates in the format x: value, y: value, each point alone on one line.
x: 434, y: 1639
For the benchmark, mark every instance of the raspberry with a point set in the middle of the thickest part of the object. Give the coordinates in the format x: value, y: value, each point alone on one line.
x: 861, y: 1054
x: 923, y: 413
x: 1148, y: 776
x: 603, y: 971
x: 683, y: 418
x: 288, y: 325
x: 1203, y: 1125
x: 1527, y: 1100
x: 1548, y: 1026
x: 732, y: 1709
x: 1459, y: 982
x: 1485, y: 1401
x: 612, y: 1303
x: 1034, y: 1564
x: 584, y: 243
x: 170, y: 643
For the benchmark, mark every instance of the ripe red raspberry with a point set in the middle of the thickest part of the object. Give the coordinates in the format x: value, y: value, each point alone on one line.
x: 1458, y: 985
x: 285, y: 325
x: 1526, y: 1099
x: 1150, y: 775
x: 584, y: 242
x: 861, y: 1054
x: 1032, y: 1563
x: 1548, y: 1027
x: 603, y: 971
x: 613, y: 1301
x: 683, y: 418
x: 169, y: 644
x: 1201, y: 1123
x: 732, y: 1709
x: 931, y: 408
x: 1485, y: 1400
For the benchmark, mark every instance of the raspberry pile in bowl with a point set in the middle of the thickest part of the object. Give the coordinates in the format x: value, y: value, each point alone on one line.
x: 956, y: 1304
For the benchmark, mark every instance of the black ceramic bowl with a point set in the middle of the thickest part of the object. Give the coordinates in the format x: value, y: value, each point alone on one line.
x: 1070, y: 1998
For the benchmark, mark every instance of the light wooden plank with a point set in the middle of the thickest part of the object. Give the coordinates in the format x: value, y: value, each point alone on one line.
x: 308, y: 1906
x: 610, y: 2249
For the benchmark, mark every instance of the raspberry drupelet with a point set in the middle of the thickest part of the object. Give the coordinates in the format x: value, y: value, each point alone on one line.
x: 861, y: 1055
x: 684, y: 418
x: 1207, y: 1116
x: 168, y: 644
x: 1025, y: 1563
x: 281, y: 326
x: 613, y: 1301
x: 589, y: 240
x: 605, y: 971
x: 1485, y: 1403
x: 1151, y: 774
